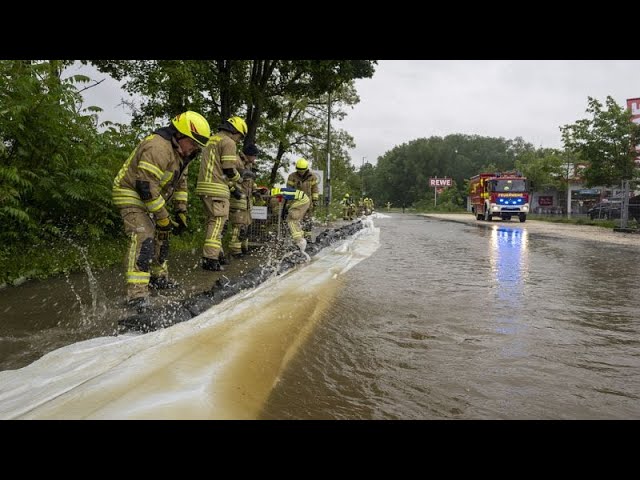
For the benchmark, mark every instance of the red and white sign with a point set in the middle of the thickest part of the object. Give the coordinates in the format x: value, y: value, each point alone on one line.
x: 439, y: 182
x: 545, y: 201
x: 633, y: 104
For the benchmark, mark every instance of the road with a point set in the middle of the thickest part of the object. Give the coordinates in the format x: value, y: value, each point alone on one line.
x: 581, y: 232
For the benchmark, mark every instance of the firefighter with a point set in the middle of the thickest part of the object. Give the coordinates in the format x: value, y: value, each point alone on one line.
x: 296, y: 204
x: 347, y: 207
x: 218, y: 180
x: 155, y: 173
x: 305, y: 180
x: 368, y: 206
x: 240, y: 209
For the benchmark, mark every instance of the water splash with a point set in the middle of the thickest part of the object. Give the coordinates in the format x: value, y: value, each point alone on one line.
x: 98, y: 310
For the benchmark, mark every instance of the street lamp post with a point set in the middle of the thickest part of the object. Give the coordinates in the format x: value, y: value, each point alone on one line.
x: 568, y: 193
x: 328, y: 200
x: 362, y: 175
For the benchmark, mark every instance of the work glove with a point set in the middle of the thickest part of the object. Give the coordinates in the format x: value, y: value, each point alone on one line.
x: 163, y: 227
x: 248, y: 174
x: 237, y: 194
x: 180, y: 222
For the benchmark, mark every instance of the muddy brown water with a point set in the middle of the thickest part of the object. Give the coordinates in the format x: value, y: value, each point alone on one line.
x: 445, y: 320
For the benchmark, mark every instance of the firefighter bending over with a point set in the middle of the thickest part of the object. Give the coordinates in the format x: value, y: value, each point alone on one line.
x: 305, y: 180
x: 296, y: 204
x: 155, y: 173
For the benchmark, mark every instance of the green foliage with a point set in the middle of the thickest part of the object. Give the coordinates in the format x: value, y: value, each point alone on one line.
x: 402, y: 174
x: 282, y: 100
x: 606, y: 142
x: 545, y: 168
x: 56, y: 169
x: 57, y: 164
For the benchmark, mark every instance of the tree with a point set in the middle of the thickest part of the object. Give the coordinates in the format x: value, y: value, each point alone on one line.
x: 402, y: 174
x: 545, y: 168
x: 606, y: 142
x: 221, y: 88
x: 301, y: 130
x: 55, y: 168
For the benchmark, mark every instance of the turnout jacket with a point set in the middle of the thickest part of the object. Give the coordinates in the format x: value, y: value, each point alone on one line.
x: 307, y: 182
x: 153, y: 174
x: 218, y: 155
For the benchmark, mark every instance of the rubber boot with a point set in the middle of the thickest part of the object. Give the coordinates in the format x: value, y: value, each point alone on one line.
x: 223, y: 259
x: 141, y: 304
x: 211, y: 264
x: 163, y: 283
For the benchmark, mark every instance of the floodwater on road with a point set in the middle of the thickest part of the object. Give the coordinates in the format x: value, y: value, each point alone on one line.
x: 474, y: 321
x: 417, y: 318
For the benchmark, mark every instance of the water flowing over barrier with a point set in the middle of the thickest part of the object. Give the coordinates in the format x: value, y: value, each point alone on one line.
x: 180, y: 311
x: 222, y: 364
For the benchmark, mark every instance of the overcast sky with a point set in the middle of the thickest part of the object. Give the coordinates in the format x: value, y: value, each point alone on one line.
x: 409, y: 99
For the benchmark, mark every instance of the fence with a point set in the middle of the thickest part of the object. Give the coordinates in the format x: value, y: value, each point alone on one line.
x: 267, y: 230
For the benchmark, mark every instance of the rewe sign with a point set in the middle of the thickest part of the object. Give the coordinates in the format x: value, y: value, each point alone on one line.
x: 439, y: 182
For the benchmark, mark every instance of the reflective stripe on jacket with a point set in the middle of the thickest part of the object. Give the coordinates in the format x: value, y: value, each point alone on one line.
x: 219, y: 154
x: 157, y: 162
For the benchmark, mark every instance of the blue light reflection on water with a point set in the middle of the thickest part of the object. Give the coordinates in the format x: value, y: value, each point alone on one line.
x: 509, y: 258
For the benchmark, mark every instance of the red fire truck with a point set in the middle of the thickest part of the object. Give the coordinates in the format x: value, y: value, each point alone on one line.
x: 500, y: 195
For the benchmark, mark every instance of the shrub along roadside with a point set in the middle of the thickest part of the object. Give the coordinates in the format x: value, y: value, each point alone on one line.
x: 66, y: 256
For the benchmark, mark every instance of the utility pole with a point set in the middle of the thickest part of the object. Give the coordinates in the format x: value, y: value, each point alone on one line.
x: 328, y: 150
x: 624, y: 206
x: 362, y: 176
x: 568, y: 193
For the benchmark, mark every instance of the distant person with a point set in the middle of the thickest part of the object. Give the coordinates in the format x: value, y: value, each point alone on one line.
x: 218, y: 180
x: 368, y: 206
x: 154, y: 174
x: 347, y: 207
x: 388, y: 206
x: 304, y: 179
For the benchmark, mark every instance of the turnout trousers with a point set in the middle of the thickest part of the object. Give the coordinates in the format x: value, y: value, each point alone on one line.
x: 217, y: 212
x: 147, y: 254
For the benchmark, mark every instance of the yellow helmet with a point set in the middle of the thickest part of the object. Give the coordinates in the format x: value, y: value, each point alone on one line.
x: 302, y: 164
x: 346, y: 195
x: 193, y: 125
x: 239, y: 124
